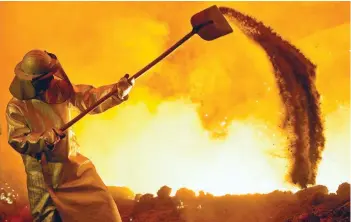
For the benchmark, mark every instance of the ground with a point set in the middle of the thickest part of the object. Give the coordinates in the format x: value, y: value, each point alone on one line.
x: 308, y: 205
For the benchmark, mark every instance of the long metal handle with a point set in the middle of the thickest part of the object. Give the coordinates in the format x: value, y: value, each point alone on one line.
x: 135, y: 76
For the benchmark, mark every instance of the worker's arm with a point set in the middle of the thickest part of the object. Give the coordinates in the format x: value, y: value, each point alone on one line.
x: 86, y: 95
x: 20, y: 136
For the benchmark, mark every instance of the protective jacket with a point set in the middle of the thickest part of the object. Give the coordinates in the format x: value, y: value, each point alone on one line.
x: 63, y: 185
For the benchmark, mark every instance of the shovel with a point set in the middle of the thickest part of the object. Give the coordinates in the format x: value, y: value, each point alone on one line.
x: 209, y: 24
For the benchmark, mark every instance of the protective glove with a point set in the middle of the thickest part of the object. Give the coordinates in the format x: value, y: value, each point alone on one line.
x: 124, y: 86
x: 52, y: 137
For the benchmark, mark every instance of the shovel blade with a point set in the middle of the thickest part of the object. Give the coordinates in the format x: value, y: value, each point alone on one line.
x: 215, y: 24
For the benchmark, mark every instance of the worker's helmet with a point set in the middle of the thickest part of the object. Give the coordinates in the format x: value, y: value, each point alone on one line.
x: 40, y: 76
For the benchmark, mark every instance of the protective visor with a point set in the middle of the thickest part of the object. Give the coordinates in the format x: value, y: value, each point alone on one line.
x: 52, y: 88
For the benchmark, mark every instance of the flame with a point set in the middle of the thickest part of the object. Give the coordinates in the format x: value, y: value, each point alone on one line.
x: 163, y: 134
x: 171, y: 147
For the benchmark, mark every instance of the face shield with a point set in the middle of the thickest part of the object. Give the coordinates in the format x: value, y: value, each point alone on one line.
x: 53, y: 87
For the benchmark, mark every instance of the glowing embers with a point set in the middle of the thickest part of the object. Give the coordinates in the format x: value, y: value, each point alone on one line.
x: 7, y: 194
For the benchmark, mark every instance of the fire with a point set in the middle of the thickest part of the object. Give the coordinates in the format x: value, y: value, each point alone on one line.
x: 162, y: 135
x: 171, y: 147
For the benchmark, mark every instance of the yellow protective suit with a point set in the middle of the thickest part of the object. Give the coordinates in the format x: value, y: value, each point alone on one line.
x: 71, y: 186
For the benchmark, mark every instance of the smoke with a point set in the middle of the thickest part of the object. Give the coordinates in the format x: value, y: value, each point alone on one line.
x: 295, y: 77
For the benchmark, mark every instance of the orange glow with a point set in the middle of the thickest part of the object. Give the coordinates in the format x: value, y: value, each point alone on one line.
x: 157, y: 137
